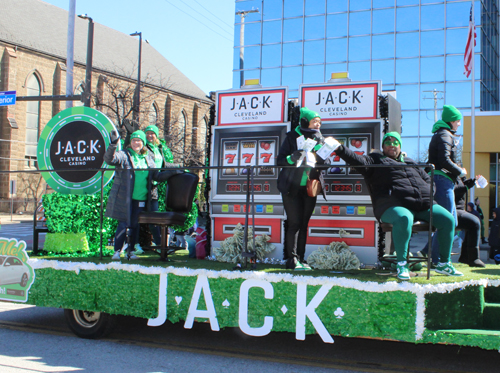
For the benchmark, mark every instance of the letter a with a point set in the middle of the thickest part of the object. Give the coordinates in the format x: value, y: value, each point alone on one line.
x: 202, y: 284
x: 243, y: 317
x: 309, y: 310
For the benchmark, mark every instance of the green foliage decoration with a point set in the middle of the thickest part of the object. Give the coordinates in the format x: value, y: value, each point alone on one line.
x: 231, y: 248
x: 337, y: 256
x: 63, y: 243
x: 69, y: 213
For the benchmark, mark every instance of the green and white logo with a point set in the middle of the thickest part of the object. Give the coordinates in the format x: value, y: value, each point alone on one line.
x: 73, y: 143
x: 16, y: 275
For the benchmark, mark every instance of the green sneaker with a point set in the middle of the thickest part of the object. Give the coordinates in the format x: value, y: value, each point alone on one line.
x: 301, y: 267
x: 403, y: 271
x: 448, y: 269
x: 305, y: 265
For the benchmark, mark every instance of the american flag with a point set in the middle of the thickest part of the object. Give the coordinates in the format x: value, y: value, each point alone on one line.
x: 469, y: 49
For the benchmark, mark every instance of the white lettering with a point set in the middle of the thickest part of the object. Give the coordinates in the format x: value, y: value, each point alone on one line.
x: 210, y: 314
x: 243, y: 311
x: 162, y: 303
x: 80, y: 151
x: 308, y: 310
x: 69, y: 149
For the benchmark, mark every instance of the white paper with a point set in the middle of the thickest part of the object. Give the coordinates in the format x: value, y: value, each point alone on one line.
x: 311, y: 159
x: 300, y: 142
x: 481, y: 182
x: 309, y: 145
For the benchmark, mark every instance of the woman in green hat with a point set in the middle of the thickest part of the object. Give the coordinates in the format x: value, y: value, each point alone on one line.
x: 443, y: 155
x: 163, y: 158
x: 131, y: 187
x: 292, y: 181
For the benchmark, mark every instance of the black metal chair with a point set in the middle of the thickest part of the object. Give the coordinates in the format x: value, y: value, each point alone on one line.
x: 418, y: 226
x: 179, y: 197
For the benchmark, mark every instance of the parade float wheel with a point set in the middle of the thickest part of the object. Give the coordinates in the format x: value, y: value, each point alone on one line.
x: 89, y: 324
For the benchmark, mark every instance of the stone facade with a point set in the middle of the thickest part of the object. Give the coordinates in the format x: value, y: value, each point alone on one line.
x: 172, y: 112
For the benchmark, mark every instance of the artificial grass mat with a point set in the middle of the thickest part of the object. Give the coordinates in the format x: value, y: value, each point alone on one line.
x: 181, y: 259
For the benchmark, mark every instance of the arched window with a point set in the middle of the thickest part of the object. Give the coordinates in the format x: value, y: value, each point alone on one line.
x: 33, y: 88
x: 153, y: 115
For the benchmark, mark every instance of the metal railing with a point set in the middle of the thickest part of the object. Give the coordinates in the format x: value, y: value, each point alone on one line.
x: 249, y: 193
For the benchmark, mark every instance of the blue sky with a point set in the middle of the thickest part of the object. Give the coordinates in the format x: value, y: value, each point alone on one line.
x: 195, y: 35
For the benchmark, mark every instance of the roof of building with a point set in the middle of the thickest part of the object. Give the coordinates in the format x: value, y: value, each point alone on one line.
x: 43, y: 27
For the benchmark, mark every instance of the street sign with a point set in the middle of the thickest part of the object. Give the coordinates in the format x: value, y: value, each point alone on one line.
x: 7, y: 98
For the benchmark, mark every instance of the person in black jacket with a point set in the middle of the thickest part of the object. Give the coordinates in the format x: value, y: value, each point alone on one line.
x: 292, y: 185
x: 469, y: 222
x: 442, y: 154
x: 401, y: 195
x: 494, y: 238
x: 131, y: 187
x: 481, y: 216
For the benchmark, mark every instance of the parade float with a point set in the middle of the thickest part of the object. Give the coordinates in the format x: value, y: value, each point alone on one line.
x: 256, y: 295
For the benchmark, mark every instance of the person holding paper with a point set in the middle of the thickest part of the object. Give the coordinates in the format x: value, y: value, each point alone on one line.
x: 401, y: 195
x: 299, y: 150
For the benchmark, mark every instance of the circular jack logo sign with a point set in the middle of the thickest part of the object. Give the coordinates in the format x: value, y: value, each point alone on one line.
x: 73, y: 144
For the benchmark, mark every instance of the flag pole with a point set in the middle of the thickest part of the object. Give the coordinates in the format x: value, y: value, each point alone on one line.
x: 473, y: 110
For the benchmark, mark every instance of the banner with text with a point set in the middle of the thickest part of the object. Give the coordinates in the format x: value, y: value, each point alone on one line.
x: 252, y: 106
x: 342, y: 101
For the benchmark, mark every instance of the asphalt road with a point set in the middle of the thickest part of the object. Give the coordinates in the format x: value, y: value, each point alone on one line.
x: 36, y: 339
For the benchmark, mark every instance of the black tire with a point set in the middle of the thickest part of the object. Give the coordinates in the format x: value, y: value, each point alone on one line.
x: 24, y: 280
x: 88, y: 324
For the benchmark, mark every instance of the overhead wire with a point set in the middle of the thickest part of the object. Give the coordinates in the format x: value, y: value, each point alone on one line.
x: 208, y: 19
x: 197, y: 20
x: 230, y: 26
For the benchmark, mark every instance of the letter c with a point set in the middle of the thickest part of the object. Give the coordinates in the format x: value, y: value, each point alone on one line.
x: 243, y: 311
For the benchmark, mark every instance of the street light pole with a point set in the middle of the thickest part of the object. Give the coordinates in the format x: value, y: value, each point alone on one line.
x: 88, y: 68
x: 242, y: 15
x: 137, y: 96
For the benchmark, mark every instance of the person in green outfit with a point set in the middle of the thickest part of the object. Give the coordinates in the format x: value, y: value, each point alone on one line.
x: 131, y: 187
x: 163, y: 158
x: 400, y: 196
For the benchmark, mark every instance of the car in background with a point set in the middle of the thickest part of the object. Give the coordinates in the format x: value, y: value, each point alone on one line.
x: 13, y: 271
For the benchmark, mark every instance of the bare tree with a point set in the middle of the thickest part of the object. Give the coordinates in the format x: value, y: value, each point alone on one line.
x: 115, y: 98
x: 31, y: 186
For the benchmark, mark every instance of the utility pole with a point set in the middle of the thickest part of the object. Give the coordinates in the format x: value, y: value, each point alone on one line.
x: 137, y: 96
x: 435, y: 98
x: 70, y: 51
x: 242, y: 14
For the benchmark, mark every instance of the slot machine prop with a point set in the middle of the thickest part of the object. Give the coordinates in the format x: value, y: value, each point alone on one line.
x: 249, y: 129
x: 350, y: 113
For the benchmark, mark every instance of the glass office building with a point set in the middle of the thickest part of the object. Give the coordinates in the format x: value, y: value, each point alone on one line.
x: 415, y: 47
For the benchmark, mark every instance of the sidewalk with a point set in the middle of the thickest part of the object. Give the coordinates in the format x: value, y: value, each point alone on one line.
x: 16, y: 218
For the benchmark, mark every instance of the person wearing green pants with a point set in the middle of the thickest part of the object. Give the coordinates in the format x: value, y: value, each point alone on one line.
x: 402, y: 220
x: 401, y: 195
